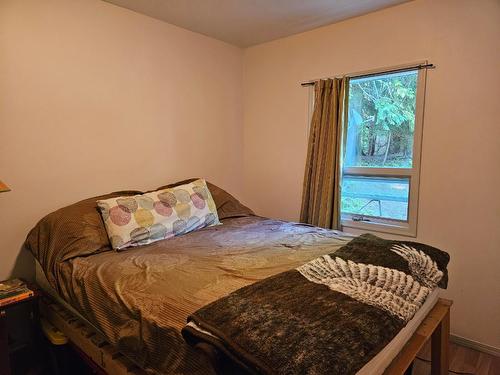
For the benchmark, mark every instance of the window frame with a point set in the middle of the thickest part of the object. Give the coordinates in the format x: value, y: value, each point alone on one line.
x: 385, y: 225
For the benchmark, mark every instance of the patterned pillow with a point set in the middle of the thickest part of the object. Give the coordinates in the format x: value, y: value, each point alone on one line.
x: 142, y: 219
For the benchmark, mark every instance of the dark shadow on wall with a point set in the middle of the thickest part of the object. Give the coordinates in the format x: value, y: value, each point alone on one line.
x: 24, y: 266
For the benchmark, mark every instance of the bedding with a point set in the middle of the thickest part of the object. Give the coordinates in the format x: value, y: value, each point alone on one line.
x: 227, y: 205
x: 376, y: 366
x: 383, y: 359
x: 78, y: 230
x: 72, y: 231
x: 162, y: 214
x: 140, y: 298
x: 330, y: 315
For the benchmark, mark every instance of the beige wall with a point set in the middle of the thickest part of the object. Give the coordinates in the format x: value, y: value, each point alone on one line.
x: 95, y: 98
x: 459, y: 201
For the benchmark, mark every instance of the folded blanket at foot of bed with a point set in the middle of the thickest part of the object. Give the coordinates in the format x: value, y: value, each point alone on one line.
x: 330, y: 315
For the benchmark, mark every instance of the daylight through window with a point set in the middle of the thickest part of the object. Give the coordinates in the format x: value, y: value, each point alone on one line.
x: 380, y: 169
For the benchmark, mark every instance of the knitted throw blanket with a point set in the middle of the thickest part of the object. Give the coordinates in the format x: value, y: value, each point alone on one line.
x: 331, y: 315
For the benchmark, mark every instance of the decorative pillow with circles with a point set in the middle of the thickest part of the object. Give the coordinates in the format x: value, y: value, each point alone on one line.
x: 142, y: 219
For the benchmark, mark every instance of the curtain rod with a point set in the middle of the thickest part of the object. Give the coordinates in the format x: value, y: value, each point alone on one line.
x: 405, y: 69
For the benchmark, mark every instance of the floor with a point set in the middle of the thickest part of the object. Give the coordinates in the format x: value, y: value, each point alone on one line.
x: 463, y: 361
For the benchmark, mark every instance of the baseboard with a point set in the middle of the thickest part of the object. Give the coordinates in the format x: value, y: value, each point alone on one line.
x: 475, y: 345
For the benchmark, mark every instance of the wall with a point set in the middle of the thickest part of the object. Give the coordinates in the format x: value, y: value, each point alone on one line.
x: 95, y: 98
x: 459, y: 207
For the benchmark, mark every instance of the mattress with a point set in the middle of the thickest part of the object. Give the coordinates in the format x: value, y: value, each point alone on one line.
x: 384, y: 358
x: 376, y: 366
x: 43, y: 283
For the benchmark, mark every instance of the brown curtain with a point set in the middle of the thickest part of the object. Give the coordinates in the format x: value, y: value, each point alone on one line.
x: 320, y: 196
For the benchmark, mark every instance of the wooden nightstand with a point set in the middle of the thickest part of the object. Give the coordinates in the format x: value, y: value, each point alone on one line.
x: 19, y: 336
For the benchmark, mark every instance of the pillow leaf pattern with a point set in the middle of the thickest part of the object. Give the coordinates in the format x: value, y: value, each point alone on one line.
x: 143, y: 219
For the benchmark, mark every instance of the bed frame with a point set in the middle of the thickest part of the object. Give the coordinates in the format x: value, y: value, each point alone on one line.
x: 91, y: 345
x: 102, y: 355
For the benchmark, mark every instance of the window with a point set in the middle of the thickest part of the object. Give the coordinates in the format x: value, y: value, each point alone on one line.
x: 381, y: 162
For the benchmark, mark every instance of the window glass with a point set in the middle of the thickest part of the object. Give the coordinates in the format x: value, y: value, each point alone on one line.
x: 383, y: 197
x: 381, y: 121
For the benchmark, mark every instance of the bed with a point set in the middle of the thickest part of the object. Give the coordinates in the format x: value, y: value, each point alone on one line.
x: 138, y: 300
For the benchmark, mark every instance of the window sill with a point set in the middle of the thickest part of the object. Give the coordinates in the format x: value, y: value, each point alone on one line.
x: 396, y: 228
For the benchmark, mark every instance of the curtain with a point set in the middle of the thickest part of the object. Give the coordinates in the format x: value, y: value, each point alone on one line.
x: 321, y: 190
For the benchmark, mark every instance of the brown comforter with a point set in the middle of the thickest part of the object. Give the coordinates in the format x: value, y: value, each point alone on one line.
x: 330, y: 316
x: 140, y: 298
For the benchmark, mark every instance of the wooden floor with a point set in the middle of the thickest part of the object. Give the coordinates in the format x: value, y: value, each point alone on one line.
x: 462, y: 361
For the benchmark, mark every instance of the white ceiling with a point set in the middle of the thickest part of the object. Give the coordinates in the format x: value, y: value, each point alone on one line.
x: 248, y: 22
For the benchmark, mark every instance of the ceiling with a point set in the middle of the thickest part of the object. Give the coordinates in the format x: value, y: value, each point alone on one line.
x: 248, y: 22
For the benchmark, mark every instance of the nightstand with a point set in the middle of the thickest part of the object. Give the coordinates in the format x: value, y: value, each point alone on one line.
x: 19, y: 337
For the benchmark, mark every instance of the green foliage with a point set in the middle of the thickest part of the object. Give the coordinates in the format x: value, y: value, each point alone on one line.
x: 385, y: 107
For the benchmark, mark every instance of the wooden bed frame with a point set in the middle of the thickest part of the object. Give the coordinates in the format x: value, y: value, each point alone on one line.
x: 436, y: 326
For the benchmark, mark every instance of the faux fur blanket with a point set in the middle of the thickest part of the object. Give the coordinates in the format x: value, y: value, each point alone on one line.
x: 331, y: 315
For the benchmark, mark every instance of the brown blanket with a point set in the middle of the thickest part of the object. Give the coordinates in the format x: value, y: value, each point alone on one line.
x: 330, y: 315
